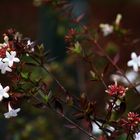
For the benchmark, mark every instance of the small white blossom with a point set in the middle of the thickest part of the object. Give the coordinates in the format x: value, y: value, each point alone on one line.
x: 118, y: 19
x: 29, y: 43
x: 4, y: 67
x: 106, y: 29
x: 3, y: 92
x: 137, y: 136
x: 11, y: 58
x: 134, y: 62
x: 11, y: 112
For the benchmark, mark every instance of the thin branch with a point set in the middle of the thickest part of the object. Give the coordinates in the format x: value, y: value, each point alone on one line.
x: 111, y: 61
x: 66, y: 118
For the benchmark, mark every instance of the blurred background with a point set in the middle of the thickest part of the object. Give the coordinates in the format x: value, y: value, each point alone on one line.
x: 40, y: 22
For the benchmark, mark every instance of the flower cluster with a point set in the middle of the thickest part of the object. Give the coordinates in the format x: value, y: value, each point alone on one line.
x: 108, y: 29
x: 132, y: 121
x: 12, y: 47
x: 116, y: 90
x: 7, y: 56
x: 4, y: 94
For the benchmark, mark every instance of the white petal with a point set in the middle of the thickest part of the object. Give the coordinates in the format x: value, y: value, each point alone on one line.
x: 16, y: 59
x: 13, y: 113
x: 10, y: 63
x: 13, y: 53
x: 6, y: 89
x: 17, y: 110
x: 1, y: 97
x: 6, y: 95
x: 3, y: 71
x: 130, y: 63
x: 9, y: 107
x: 1, y: 87
x: 8, y: 54
x: 7, y: 115
x: 137, y: 136
x: 8, y: 69
x: 135, y: 67
x: 5, y: 60
x: 133, y: 55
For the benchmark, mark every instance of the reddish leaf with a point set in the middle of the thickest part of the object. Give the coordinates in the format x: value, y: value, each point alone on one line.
x: 79, y: 18
x: 17, y: 95
x: 116, y: 58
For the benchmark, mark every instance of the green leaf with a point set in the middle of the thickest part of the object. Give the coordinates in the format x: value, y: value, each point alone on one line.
x: 77, y: 48
x: 25, y: 75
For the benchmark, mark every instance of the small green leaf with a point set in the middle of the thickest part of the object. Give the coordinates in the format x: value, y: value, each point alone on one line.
x: 25, y: 75
x: 77, y: 48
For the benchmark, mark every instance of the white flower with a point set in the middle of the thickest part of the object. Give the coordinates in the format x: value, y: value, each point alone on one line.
x: 29, y: 43
x: 118, y: 19
x: 11, y: 58
x: 106, y: 29
x: 4, y: 67
x: 137, y: 136
x: 3, y: 92
x: 134, y: 62
x: 11, y: 112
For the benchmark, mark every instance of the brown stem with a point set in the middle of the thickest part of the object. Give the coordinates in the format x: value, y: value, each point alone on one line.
x: 66, y: 118
x: 111, y: 61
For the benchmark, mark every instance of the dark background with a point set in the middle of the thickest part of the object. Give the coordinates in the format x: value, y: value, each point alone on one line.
x: 40, y: 23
